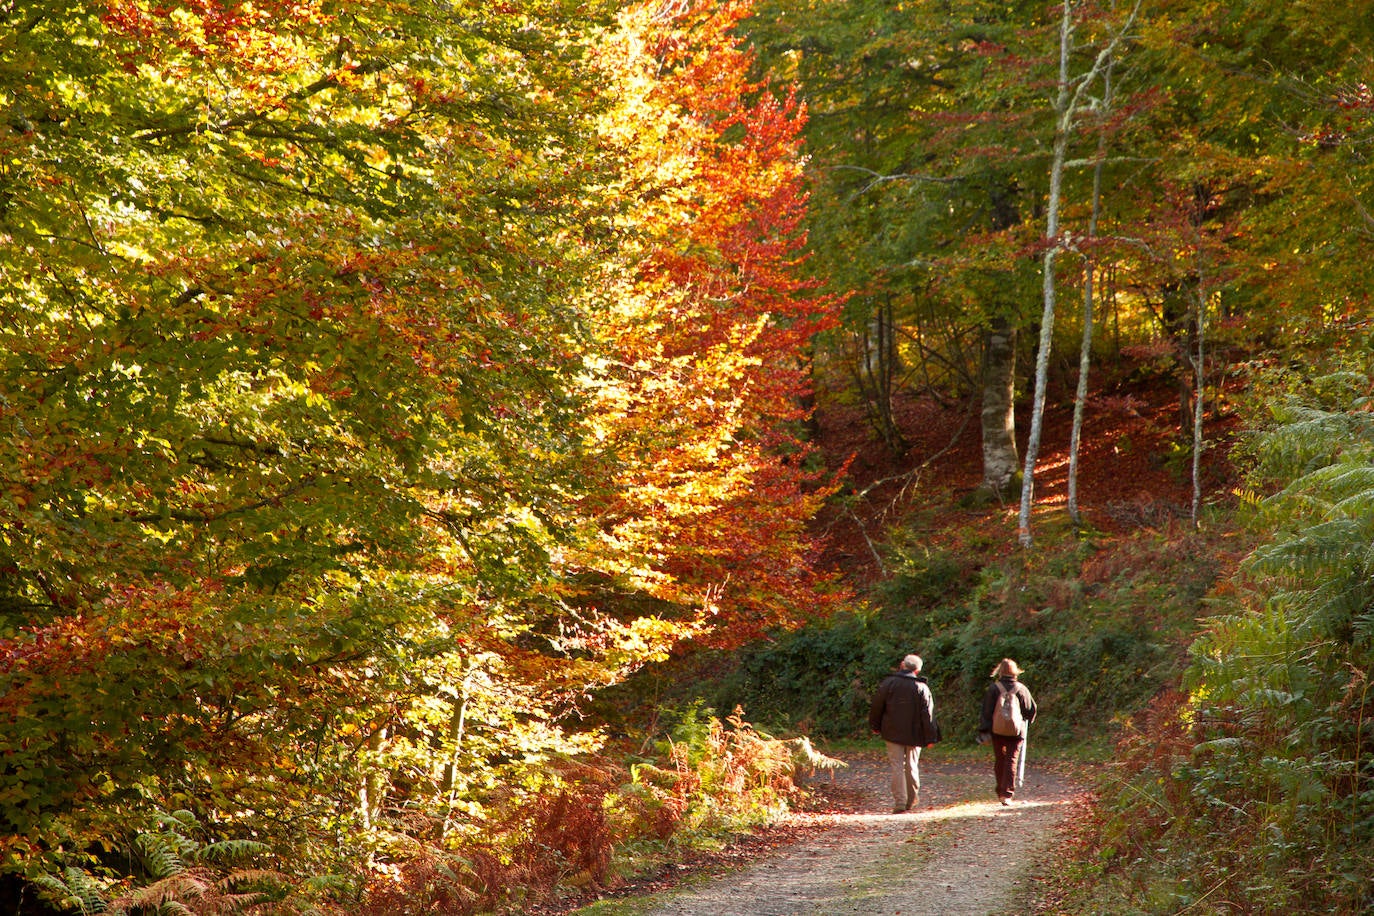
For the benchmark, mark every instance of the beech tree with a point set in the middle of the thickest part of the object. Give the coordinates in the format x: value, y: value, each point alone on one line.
x: 289, y: 342
x: 926, y: 178
x: 708, y: 322
x: 332, y: 483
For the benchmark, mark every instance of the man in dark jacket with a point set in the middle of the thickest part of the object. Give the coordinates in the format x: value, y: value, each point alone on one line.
x: 903, y: 712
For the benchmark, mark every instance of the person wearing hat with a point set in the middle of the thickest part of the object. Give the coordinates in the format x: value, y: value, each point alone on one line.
x: 1008, y: 708
x: 903, y: 712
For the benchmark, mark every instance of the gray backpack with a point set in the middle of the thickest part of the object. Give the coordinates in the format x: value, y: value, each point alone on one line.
x: 1006, y: 715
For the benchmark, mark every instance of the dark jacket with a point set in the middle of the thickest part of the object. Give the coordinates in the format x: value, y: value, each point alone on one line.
x: 903, y: 711
x: 1023, y: 696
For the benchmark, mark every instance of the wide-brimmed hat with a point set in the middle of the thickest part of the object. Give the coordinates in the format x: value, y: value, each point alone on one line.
x: 1006, y: 666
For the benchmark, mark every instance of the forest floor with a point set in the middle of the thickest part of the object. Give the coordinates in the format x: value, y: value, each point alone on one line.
x: 1132, y: 471
x: 959, y: 852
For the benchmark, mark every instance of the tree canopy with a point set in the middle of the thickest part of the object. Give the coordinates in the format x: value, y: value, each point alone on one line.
x: 377, y: 381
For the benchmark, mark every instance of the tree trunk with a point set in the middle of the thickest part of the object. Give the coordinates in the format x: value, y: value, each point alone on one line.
x: 1080, y: 397
x: 1199, y: 404
x: 1177, y: 312
x: 1197, y: 354
x: 1085, y: 351
x: 1064, y: 110
x: 371, y: 791
x: 999, y: 417
x: 878, y: 366
x: 448, y: 780
x: 1066, y: 106
x: 1000, y: 338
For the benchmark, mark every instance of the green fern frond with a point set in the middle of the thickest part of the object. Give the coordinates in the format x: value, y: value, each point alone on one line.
x: 160, y: 854
x: 1363, y: 626
x: 1334, y: 483
x: 181, y: 821
x: 228, y: 851
x: 1335, y: 603
x: 1292, y: 508
x: 1225, y: 746
x: 1318, y: 549
x: 1328, y: 585
x: 1271, y: 698
x: 75, y: 890
x: 1312, y: 438
x: 1358, y: 507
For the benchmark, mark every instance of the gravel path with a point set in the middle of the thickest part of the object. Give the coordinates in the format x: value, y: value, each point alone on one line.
x: 958, y: 853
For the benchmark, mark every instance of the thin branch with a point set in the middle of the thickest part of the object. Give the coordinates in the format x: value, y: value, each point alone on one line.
x: 243, y: 119
x: 879, y: 178
x: 206, y: 517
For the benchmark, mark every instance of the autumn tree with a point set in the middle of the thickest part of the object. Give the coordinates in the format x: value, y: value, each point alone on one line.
x: 708, y: 323
x: 287, y: 373
x: 925, y: 183
x: 319, y: 449
x: 322, y: 448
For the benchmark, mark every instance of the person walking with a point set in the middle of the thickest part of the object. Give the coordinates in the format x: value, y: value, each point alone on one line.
x: 903, y: 713
x: 1008, y: 708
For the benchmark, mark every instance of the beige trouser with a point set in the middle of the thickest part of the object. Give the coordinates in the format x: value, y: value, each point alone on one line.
x: 904, y: 766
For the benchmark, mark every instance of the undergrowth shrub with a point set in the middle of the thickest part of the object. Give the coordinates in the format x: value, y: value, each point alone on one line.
x: 1099, y: 627
x: 728, y: 774
x: 561, y: 825
x: 596, y: 818
x: 172, y: 864
x: 561, y: 835
x: 1254, y: 791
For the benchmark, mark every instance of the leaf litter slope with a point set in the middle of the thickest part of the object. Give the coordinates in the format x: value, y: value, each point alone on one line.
x: 959, y: 853
x: 1124, y: 478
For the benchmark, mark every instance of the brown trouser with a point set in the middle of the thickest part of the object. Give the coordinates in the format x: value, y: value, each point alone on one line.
x: 1006, y: 755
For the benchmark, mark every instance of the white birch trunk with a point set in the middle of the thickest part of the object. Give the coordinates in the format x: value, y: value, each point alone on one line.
x: 1063, y: 111
x: 1066, y: 105
x: 1085, y: 351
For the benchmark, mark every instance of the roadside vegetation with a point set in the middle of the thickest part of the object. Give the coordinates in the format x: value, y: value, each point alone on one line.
x: 1248, y: 788
x: 1100, y: 625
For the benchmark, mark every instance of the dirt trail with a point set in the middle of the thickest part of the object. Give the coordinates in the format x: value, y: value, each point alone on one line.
x: 958, y: 853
